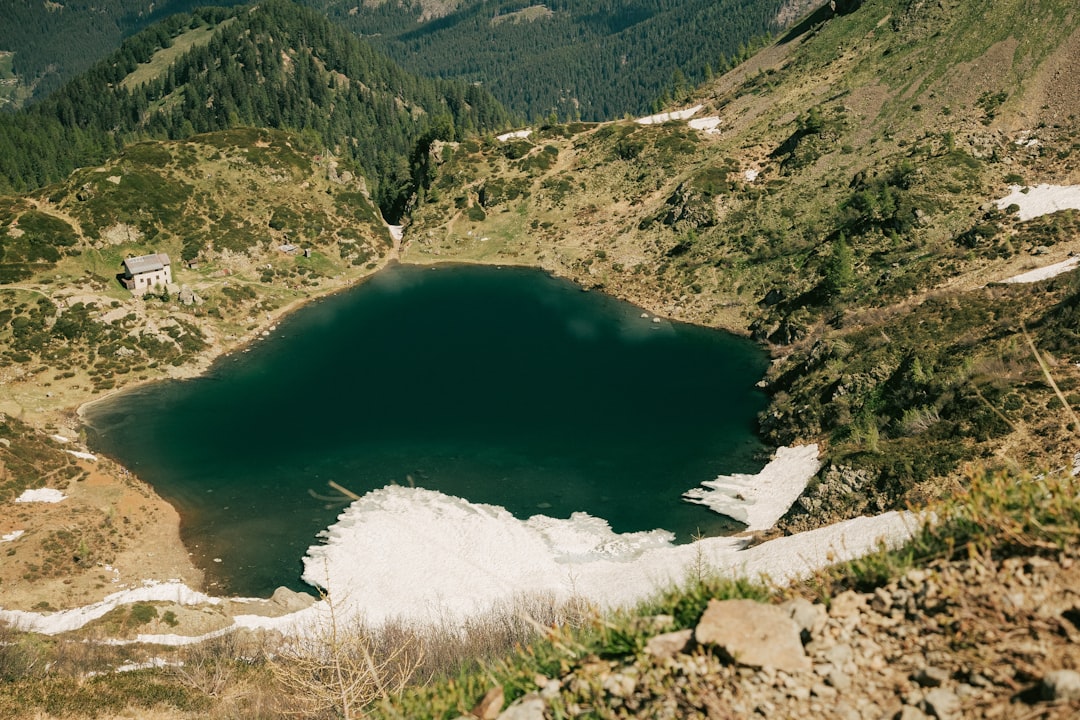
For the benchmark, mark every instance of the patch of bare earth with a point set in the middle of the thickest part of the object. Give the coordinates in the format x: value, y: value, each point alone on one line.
x: 1050, y: 97
x: 110, y: 533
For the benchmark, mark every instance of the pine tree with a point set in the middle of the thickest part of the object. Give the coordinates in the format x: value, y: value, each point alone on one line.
x: 839, y: 269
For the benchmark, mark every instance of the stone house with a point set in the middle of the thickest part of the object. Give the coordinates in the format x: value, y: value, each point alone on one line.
x: 147, y: 271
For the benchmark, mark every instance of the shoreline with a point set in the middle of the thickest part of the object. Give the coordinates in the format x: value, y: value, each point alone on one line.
x: 147, y: 545
x: 204, y: 364
x: 465, y: 559
x: 75, y: 416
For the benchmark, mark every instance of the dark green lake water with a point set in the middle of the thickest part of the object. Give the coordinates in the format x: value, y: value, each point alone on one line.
x: 502, y: 386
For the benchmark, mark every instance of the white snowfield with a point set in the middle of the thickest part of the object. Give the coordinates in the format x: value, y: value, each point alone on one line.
x: 522, y: 134
x: 761, y: 500
x: 428, y: 558
x: 12, y: 536
x: 669, y: 116
x: 82, y: 455
x: 45, y: 495
x: 1041, y: 200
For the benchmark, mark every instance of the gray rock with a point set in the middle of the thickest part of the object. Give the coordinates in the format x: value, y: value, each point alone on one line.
x: 620, y: 685
x: 1061, y: 685
x: 838, y: 655
x: 550, y: 690
x: 290, y: 600
x: 839, y: 680
x: 931, y: 677
x: 187, y: 296
x: 809, y: 617
x: 753, y: 634
x: 669, y: 644
x: 530, y: 707
x: 882, y: 601
x: 910, y: 712
x: 943, y: 704
x: 846, y: 604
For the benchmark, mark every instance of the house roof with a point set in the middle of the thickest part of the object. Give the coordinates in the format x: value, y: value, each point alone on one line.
x: 146, y: 263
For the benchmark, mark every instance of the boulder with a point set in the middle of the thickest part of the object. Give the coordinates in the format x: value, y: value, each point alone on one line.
x: 291, y: 601
x: 187, y: 296
x: 669, y: 644
x: 1061, y: 685
x: 530, y: 707
x: 753, y: 635
x: 943, y: 704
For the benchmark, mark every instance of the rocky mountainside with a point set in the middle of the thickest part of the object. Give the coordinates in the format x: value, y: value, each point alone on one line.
x: 953, y: 640
x: 835, y: 197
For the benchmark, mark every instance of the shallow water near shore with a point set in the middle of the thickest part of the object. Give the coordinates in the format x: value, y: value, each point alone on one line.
x: 500, y: 385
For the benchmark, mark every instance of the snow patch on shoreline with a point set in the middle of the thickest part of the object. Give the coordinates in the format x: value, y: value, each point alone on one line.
x: 45, y: 495
x: 1041, y: 200
x: 760, y: 500
x: 12, y: 536
x: 68, y: 620
x: 82, y: 455
x: 669, y: 116
x: 427, y: 558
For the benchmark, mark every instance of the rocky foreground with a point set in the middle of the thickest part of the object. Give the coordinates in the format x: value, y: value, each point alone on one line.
x: 981, y: 638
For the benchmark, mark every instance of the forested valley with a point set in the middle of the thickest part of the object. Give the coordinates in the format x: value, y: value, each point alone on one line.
x: 274, y: 65
x: 577, y: 59
x: 588, y: 59
x: 52, y: 42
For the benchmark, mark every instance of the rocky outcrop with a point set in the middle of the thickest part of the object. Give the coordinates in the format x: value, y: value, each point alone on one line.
x: 975, y: 639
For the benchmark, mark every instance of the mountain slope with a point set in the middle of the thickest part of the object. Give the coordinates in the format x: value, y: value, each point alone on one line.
x: 841, y: 211
x: 593, y: 59
x: 232, y: 209
x: 272, y: 65
x: 51, y: 42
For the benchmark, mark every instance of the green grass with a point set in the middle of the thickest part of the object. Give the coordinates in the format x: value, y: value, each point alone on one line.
x: 12, y: 93
x: 165, y: 57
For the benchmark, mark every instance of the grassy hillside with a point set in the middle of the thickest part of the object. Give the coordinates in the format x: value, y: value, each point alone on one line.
x: 228, y: 203
x: 841, y: 213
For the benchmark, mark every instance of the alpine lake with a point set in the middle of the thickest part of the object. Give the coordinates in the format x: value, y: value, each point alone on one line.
x: 499, y: 385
